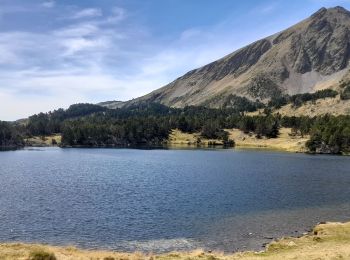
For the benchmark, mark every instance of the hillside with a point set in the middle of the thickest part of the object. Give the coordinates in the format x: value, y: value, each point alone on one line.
x: 311, y: 55
x: 327, y: 241
x: 333, y: 106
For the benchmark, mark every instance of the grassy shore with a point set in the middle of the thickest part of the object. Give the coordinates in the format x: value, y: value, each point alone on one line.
x: 325, y: 241
x: 284, y: 142
x: 43, y: 141
x: 179, y: 138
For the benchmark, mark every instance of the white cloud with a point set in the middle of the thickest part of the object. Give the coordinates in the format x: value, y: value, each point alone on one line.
x: 75, y: 45
x: 8, y: 56
x: 95, y: 61
x: 49, y: 4
x: 42, y: 71
x: 107, y: 56
x: 38, y: 90
x: 77, y: 30
x: 118, y: 14
x: 87, y: 13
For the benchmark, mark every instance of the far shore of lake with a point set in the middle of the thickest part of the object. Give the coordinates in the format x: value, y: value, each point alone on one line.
x: 177, y: 139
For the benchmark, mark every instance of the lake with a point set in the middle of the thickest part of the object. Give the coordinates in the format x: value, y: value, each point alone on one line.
x: 163, y: 200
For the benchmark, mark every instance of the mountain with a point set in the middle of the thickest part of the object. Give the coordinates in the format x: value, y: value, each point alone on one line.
x: 309, y: 56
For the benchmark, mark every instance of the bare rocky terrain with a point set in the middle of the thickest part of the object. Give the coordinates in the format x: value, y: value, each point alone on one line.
x: 309, y: 56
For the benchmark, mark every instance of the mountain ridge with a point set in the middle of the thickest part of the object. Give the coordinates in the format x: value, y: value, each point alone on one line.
x: 311, y: 55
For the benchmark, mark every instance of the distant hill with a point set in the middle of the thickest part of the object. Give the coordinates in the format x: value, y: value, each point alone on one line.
x: 309, y: 56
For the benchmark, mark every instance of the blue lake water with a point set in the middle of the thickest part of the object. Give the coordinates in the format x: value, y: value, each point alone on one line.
x: 163, y: 200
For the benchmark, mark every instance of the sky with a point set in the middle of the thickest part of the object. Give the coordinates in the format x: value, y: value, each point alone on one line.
x: 54, y: 53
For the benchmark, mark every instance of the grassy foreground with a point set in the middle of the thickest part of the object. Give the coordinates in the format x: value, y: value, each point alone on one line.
x: 326, y: 241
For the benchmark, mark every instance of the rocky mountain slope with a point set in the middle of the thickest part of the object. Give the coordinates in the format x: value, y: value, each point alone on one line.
x: 311, y: 55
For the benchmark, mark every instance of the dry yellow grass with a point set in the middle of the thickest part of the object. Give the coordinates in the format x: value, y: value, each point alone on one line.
x: 326, y: 241
x: 44, y: 140
x: 284, y: 142
x: 333, y: 106
x: 179, y: 138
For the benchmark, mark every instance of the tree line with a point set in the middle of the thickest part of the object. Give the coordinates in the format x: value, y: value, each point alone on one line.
x: 299, y: 99
x: 151, y: 124
x: 330, y: 134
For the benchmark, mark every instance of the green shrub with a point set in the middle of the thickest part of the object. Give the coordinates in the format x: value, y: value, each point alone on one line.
x: 229, y: 143
x: 299, y: 99
x: 330, y: 134
x: 345, y: 94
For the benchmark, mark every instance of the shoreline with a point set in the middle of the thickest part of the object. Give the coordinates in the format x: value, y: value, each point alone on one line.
x: 325, y: 241
x: 238, y: 147
x: 285, y: 142
x: 179, y: 139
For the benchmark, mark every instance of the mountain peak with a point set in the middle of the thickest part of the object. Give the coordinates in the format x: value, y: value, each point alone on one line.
x: 330, y: 11
x: 310, y: 55
x: 339, y: 9
x: 320, y: 12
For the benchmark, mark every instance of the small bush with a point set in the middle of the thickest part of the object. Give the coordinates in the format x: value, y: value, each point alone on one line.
x: 42, y: 255
x: 109, y: 258
x: 230, y: 143
x: 345, y: 94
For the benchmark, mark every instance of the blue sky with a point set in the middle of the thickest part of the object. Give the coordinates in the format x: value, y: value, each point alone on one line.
x: 54, y: 53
